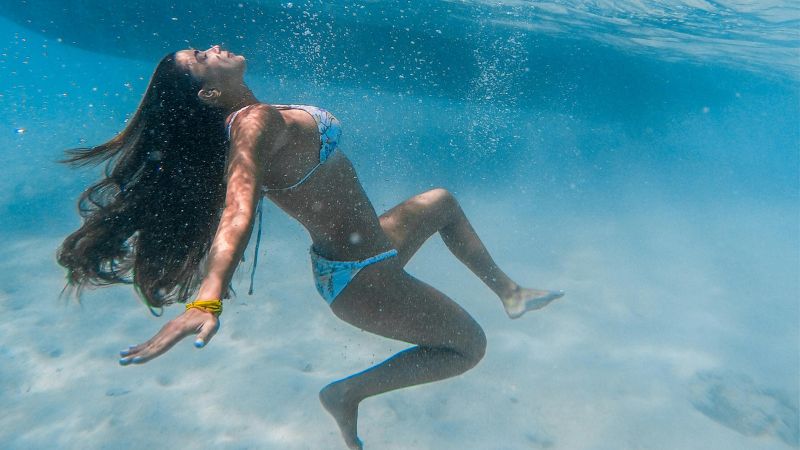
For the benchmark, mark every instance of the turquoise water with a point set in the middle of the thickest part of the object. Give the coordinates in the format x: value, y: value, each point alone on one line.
x: 642, y: 155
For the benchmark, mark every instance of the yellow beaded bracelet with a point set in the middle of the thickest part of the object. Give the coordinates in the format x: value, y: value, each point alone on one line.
x: 214, y: 306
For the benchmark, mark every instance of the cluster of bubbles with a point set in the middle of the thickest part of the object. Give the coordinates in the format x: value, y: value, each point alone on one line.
x: 492, y: 95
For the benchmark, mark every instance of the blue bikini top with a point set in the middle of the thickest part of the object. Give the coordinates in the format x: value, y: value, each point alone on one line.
x: 330, y: 131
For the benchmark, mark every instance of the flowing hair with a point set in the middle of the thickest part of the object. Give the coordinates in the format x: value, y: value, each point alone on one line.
x: 151, y: 219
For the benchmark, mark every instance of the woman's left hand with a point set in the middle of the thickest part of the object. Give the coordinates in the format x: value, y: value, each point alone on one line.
x: 192, y: 321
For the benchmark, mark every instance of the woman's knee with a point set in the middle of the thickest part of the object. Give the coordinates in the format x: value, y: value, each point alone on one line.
x: 472, y: 345
x: 442, y: 197
x: 443, y: 202
x: 478, y: 347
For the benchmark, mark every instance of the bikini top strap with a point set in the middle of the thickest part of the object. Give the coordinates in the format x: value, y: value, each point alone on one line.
x: 236, y: 113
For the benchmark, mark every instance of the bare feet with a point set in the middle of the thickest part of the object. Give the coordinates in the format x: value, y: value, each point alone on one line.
x: 344, y: 411
x: 523, y: 300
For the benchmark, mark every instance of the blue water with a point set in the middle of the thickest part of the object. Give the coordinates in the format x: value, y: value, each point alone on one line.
x: 642, y: 155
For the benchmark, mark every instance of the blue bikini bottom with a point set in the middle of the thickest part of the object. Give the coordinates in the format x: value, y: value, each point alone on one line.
x: 331, y: 277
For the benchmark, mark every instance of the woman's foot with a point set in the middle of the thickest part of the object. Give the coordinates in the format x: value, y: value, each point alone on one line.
x: 344, y: 411
x: 522, y: 300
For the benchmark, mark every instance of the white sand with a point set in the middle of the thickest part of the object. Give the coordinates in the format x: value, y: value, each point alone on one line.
x: 651, y: 327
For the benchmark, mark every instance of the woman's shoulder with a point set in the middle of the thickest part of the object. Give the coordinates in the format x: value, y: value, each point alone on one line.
x: 259, y: 122
x: 260, y: 111
x: 260, y: 117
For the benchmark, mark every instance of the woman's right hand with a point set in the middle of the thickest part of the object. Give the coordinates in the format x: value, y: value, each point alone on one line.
x: 192, y: 321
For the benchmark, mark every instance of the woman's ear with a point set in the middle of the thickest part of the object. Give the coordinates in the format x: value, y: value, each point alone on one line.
x: 209, y: 95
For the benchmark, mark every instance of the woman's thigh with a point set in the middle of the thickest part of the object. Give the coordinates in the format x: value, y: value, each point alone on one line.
x: 387, y: 301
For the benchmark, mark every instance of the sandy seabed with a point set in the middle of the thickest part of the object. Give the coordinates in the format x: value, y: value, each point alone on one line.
x: 665, y: 340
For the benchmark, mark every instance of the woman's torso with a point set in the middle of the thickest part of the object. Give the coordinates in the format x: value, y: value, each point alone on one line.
x: 330, y: 203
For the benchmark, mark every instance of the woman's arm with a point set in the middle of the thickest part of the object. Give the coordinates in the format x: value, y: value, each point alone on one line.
x: 250, y: 141
x: 244, y: 173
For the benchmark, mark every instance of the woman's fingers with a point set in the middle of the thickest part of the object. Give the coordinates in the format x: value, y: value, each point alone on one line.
x: 157, y: 345
x: 136, y: 348
x: 205, y: 324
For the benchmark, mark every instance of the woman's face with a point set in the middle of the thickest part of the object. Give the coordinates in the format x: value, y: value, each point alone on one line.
x: 213, y: 66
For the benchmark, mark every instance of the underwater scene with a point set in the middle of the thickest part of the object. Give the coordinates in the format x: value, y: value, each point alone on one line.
x: 643, y: 156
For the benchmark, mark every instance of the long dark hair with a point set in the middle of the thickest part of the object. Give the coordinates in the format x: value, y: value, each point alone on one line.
x: 151, y: 219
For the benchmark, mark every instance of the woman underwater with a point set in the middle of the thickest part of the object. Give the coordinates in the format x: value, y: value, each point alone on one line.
x: 176, y: 208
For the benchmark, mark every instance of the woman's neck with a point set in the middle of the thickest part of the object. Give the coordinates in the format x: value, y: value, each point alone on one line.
x: 239, y: 100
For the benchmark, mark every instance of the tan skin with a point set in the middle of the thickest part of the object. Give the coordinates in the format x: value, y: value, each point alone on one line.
x: 275, y: 148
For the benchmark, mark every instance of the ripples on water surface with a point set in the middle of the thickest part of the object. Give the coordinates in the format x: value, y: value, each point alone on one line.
x: 758, y: 35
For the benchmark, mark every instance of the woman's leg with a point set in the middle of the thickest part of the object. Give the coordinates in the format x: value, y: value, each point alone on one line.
x: 412, y: 222
x: 385, y: 300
